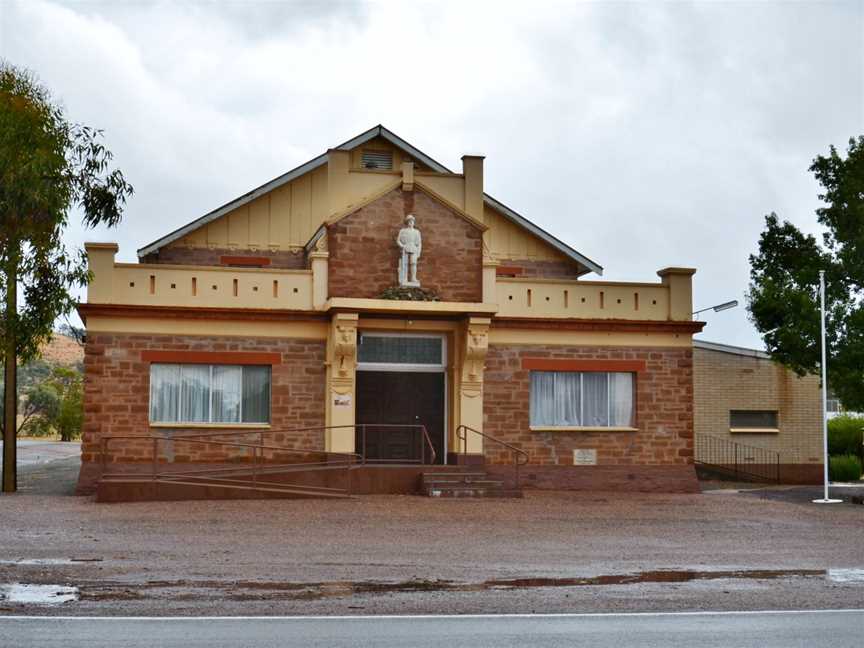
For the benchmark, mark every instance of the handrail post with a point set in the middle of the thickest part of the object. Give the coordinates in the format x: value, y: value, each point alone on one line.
x: 155, y: 457
x: 348, y: 460
x: 255, y: 467
x: 516, y: 461
x: 363, y: 440
x: 736, y: 461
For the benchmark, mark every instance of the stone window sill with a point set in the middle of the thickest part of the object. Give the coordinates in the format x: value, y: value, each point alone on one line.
x: 212, y: 426
x: 754, y: 430
x: 579, y: 428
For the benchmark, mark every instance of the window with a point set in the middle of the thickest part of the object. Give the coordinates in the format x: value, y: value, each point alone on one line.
x: 199, y: 393
x: 753, y: 419
x: 582, y: 399
x: 377, y: 160
x: 400, y: 349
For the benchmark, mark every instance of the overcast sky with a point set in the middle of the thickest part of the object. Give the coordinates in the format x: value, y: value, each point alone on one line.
x: 644, y: 135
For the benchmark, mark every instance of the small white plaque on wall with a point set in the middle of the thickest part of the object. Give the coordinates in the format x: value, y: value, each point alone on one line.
x: 585, y: 457
x: 341, y: 400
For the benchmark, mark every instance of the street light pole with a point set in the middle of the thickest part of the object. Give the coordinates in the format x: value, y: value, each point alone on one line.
x: 825, y: 499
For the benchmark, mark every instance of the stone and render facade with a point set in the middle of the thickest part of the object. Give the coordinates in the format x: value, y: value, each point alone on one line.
x: 230, y: 288
x: 730, y: 378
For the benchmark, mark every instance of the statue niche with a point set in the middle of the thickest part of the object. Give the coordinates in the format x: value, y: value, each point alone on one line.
x: 410, y: 245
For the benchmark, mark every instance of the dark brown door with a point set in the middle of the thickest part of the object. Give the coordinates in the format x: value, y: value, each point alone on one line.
x: 402, y: 399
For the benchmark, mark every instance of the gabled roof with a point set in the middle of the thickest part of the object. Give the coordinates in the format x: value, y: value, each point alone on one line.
x: 395, y: 140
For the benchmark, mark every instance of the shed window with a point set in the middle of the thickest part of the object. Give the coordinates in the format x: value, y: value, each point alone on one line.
x: 582, y: 399
x: 200, y: 393
x: 378, y: 160
x: 753, y: 419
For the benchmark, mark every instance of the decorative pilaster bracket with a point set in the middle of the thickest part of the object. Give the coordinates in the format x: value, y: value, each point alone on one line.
x: 475, y: 350
x: 344, y: 336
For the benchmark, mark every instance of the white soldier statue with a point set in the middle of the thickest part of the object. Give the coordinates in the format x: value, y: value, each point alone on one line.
x: 411, y: 244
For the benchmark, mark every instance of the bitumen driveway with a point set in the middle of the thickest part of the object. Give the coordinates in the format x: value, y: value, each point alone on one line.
x: 790, y: 629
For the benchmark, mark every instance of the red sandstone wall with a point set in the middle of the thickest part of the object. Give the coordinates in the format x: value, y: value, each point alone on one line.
x: 540, y: 269
x: 664, y: 408
x: 117, y: 388
x: 290, y: 259
x: 364, y: 255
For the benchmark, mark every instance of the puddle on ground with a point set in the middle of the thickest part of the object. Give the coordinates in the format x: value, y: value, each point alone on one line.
x: 44, y: 562
x: 37, y: 594
x: 846, y: 575
x: 265, y: 590
x: 309, y: 591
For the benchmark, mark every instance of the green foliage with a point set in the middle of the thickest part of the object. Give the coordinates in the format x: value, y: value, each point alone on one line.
x: 844, y: 468
x: 53, y: 405
x: 783, y: 301
x: 68, y: 385
x: 48, y: 168
x: 406, y: 293
x: 846, y: 435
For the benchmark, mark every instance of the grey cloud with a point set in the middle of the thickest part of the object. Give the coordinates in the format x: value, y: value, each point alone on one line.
x: 643, y: 134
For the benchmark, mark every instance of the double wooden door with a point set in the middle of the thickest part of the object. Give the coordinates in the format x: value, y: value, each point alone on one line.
x: 400, y: 398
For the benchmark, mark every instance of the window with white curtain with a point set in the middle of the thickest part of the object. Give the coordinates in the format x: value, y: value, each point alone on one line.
x: 199, y: 393
x: 582, y: 399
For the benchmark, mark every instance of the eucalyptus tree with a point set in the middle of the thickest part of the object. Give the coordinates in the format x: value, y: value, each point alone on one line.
x: 49, y: 168
x: 784, y: 279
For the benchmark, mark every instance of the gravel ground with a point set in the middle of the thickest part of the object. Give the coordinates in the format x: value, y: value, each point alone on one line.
x: 403, y: 554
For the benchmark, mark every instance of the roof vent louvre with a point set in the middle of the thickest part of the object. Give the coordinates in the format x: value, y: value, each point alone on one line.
x: 378, y: 160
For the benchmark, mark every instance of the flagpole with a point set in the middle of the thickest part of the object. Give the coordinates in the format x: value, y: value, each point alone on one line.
x: 825, y: 499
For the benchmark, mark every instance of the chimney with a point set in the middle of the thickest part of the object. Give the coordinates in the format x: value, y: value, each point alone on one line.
x: 472, y: 169
x: 338, y: 164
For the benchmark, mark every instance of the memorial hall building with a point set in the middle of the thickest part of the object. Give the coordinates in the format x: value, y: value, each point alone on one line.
x: 375, y: 315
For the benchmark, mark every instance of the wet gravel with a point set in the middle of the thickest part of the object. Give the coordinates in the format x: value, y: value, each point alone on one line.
x: 404, y: 554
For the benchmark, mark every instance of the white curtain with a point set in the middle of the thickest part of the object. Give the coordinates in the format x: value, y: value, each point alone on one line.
x: 595, y: 395
x: 195, y: 393
x: 567, y: 398
x: 164, y: 393
x: 555, y: 398
x: 227, y: 385
x: 542, y: 408
x: 621, y: 400
x: 256, y: 394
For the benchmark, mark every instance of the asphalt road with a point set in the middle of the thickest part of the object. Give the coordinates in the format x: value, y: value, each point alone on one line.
x: 786, y: 629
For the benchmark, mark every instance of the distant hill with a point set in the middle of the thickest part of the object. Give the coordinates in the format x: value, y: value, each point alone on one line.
x: 63, y: 350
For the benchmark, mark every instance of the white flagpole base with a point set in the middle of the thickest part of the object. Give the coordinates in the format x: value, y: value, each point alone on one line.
x: 827, y: 501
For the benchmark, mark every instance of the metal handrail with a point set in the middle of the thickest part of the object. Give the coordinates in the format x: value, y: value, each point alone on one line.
x: 343, y: 460
x: 739, y: 459
x: 462, y: 435
x: 363, y: 426
x: 349, y: 458
x: 424, y: 437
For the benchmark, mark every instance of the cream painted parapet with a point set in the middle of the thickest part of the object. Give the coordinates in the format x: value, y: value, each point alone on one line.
x: 341, y: 382
x: 680, y: 283
x: 573, y: 299
x: 469, y: 412
x: 490, y: 276
x: 100, y: 262
x: 319, y: 260
x: 141, y: 284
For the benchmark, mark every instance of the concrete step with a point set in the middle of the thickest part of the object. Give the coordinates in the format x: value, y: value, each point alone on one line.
x: 455, y: 479
x: 465, y: 491
x: 474, y: 483
x: 456, y: 474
